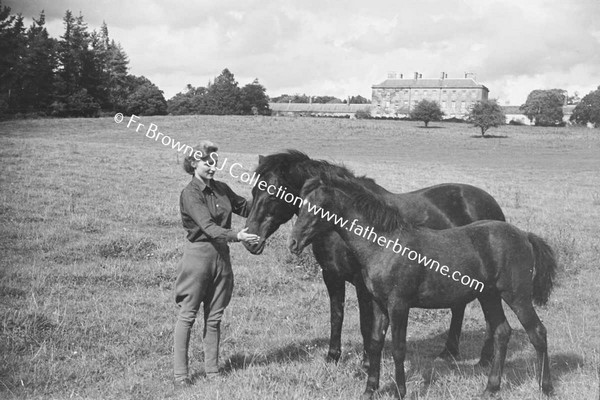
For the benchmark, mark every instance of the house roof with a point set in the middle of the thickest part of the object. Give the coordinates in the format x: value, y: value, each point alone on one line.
x: 467, y: 83
x: 317, y: 107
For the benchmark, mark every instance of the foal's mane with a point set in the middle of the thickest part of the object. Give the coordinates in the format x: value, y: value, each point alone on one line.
x: 296, y: 167
x: 377, y: 212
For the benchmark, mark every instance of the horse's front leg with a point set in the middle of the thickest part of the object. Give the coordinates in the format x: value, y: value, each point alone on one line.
x: 398, y: 313
x: 379, y: 328
x: 336, y: 287
x: 365, y: 308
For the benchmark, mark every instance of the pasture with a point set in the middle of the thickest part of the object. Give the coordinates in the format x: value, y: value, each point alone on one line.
x: 91, y: 235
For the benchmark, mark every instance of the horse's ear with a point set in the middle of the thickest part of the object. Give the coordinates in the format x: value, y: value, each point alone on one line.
x: 260, y: 159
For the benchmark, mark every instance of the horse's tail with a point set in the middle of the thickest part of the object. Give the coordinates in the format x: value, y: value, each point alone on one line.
x: 544, y: 269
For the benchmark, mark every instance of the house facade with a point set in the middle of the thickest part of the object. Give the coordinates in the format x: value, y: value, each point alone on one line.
x: 397, y: 96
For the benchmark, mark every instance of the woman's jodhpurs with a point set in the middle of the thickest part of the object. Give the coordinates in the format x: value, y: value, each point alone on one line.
x: 205, y: 276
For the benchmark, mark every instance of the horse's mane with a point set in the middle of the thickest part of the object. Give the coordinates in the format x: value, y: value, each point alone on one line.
x: 377, y: 212
x: 296, y: 167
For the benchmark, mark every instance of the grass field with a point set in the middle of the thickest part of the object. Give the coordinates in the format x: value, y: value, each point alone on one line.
x: 91, y: 236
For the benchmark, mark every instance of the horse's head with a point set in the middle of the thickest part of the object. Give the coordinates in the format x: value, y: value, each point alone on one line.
x: 270, y: 206
x: 313, y: 215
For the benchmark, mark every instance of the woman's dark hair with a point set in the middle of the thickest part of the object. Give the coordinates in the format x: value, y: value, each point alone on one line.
x: 205, y: 148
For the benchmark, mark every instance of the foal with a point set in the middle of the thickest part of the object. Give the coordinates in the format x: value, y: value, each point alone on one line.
x: 499, y: 261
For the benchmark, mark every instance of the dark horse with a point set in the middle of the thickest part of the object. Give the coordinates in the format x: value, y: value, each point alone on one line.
x: 437, y: 207
x: 487, y: 260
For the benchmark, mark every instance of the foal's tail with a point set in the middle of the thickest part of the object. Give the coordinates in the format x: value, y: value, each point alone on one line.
x: 544, y: 269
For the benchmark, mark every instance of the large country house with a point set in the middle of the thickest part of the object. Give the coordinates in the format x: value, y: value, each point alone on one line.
x: 397, y: 96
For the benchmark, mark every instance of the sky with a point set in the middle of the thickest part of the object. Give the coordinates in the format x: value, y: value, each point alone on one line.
x: 342, y: 48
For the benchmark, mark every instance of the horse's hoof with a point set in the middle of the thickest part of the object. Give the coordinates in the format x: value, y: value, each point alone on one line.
x: 547, y: 389
x: 332, y: 358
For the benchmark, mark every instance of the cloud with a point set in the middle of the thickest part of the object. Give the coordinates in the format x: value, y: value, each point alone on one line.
x: 341, y: 49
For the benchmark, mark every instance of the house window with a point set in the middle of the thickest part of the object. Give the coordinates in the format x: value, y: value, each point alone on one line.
x: 405, y: 103
x: 424, y: 93
x: 443, y: 104
x: 453, y: 105
x: 463, y: 106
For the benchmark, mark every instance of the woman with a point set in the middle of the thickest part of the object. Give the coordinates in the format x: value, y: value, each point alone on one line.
x: 205, y: 274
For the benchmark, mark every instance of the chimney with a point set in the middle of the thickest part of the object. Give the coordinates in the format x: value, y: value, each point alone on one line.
x: 420, y: 75
x: 416, y: 75
x: 401, y: 76
x: 392, y: 75
x: 444, y: 75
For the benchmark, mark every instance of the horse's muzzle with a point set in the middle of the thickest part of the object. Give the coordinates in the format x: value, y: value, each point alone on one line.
x: 255, y: 249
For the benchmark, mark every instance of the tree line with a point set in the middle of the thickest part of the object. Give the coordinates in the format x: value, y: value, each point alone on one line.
x: 85, y: 74
x: 223, y: 96
x: 79, y: 75
x: 542, y: 107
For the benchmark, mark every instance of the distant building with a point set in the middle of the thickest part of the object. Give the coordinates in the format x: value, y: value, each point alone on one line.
x: 397, y: 96
x: 316, y: 109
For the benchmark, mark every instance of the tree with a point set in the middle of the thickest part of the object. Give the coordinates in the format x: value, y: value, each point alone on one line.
x: 192, y: 101
x: 223, y: 96
x: 588, y: 109
x: 254, y: 99
x: 12, y: 50
x: 486, y: 114
x: 286, y: 98
x: 427, y: 111
x: 358, y: 100
x: 544, y: 107
x: 39, y: 65
x: 145, y: 98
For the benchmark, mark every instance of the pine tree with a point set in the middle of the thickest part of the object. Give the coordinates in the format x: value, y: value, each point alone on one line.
x: 223, y: 97
x: 39, y: 66
x: 12, y: 48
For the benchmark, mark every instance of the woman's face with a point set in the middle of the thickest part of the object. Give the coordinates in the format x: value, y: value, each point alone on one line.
x: 205, y: 170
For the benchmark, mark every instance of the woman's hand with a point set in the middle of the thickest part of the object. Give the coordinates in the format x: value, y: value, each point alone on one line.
x: 249, y: 238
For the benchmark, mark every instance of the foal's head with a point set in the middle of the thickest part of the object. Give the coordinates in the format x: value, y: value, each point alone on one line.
x: 329, y: 194
x: 319, y: 199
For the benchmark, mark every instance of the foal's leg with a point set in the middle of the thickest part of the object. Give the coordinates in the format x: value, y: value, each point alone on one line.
x: 487, y: 351
x: 451, y: 349
x: 365, y: 308
x: 537, y: 335
x: 380, y: 325
x: 399, y: 322
x: 336, y: 287
x: 492, y: 308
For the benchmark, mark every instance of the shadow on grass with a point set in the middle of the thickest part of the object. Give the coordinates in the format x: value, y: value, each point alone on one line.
x: 490, y: 137
x: 422, y: 354
x: 518, y: 370
x: 430, y: 127
x: 292, y: 352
